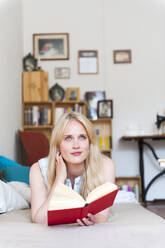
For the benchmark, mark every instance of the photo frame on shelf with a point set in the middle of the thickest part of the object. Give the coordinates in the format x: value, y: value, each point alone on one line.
x: 73, y: 94
x: 88, y: 62
x: 51, y: 46
x: 91, y: 98
x: 105, y: 109
x: 57, y: 93
x: 122, y: 56
x: 29, y: 63
x: 62, y: 72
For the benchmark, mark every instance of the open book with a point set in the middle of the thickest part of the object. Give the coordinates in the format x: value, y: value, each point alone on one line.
x: 66, y: 205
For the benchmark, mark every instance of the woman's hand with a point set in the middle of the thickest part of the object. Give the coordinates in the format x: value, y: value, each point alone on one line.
x: 61, y: 171
x: 88, y: 221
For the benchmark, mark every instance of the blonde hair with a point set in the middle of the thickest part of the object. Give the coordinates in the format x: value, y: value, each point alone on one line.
x: 92, y: 176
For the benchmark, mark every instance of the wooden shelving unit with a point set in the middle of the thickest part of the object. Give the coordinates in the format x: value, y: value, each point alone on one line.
x: 103, y: 128
x: 130, y: 181
x: 52, y: 106
x: 35, y: 93
x: 27, y: 114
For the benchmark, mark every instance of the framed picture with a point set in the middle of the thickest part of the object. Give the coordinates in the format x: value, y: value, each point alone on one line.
x: 91, y: 98
x: 73, y: 94
x: 122, y: 56
x: 105, y: 109
x: 57, y: 93
x: 29, y: 63
x: 62, y: 72
x: 88, y: 62
x: 51, y: 46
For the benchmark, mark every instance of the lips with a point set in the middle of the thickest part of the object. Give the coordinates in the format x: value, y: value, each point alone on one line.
x: 76, y: 153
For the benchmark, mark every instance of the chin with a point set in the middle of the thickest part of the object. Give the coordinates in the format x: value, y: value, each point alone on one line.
x: 76, y: 160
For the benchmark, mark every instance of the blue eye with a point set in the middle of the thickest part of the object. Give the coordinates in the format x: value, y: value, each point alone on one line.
x: 82, y: 137
x: 68, y: 138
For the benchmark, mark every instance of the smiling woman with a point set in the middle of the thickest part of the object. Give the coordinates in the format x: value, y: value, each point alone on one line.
x: 73, y: 155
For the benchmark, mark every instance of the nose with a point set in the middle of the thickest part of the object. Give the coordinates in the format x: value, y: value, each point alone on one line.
x: 76, y: 143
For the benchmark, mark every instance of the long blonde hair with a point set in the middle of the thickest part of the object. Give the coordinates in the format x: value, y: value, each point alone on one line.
x: 92, y: 176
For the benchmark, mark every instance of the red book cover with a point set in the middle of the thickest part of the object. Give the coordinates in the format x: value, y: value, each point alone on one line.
x: 68, y: 216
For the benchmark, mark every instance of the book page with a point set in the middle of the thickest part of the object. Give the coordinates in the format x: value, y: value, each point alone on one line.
x: 101, y: 191
x: 65, y: 198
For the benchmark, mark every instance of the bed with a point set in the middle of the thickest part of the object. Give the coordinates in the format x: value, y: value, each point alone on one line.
x: 130, y: 225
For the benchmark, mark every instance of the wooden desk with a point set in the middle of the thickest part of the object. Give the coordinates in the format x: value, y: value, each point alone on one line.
x: 141, y: 142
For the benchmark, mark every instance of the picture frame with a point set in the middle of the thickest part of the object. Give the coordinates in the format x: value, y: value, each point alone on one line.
x: 73, y: 94
x: 29, y: 63
x: 88, y: 62
x: 62, y: 72
x: 91, y: 98
x: 105, y: 109
x: 51, y: 46
x: 57, y: 93
x: 122, y: 56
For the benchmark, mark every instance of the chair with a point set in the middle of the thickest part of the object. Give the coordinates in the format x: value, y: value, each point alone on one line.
x: 34, y: 146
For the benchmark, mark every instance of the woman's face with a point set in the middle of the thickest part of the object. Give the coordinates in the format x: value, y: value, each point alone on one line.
x: 74, y: 146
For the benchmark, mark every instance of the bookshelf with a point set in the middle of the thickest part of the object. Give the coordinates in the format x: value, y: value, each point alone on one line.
x: 134, y: 184
x: 103, y: 129
x: 42, y: 116
x: 38, y: 116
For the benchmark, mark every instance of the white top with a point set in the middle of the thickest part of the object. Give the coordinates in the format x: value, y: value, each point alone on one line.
x: 43, y: 163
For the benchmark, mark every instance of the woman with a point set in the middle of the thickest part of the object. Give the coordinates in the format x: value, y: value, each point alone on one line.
x: 74, y: 159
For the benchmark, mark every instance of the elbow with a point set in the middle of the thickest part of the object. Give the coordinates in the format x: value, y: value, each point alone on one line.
x: 39, y: 219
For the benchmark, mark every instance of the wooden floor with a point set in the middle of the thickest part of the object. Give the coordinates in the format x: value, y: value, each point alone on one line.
x: 157, y: 208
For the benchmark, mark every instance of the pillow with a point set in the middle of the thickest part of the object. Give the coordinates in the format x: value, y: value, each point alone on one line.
x: 10, y: 199
x: 125, y: 197
x: 17, y: 173
x: 23, y: 189
x: 7, y: 162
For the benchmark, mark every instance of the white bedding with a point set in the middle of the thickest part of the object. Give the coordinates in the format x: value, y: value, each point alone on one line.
x: 130, y: 226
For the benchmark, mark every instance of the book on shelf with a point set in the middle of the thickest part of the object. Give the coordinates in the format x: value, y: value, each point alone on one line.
x: 43, y: 116
x: 66, y: 205
x: 104, y: 142
x: 61, y: 110
x: 37, y: 116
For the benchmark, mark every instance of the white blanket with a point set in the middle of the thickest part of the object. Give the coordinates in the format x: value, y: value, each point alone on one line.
x: 130, y: 226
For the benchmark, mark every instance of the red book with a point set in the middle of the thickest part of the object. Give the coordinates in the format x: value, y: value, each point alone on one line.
x: 66, y: 206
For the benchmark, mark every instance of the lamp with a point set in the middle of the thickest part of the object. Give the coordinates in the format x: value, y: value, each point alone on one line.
x: 159, y: 120
x: 161, y: 162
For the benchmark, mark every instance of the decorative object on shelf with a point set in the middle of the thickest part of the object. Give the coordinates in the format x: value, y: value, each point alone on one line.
x: 73, y: 94
x: 29, y: 63
x: 51, y: 46
x: 91, y: 98
x: 88, y: 62
x: 122, y: 56
x: 105, y: 109
x: 57, y: 93
x: 62, y: 72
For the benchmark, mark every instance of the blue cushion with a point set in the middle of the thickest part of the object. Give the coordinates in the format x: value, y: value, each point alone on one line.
x: 7, y: 162
x: 17, y: 173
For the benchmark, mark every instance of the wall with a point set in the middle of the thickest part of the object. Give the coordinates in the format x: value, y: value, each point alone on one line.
x: 137, y: 89
x: 10, y: 75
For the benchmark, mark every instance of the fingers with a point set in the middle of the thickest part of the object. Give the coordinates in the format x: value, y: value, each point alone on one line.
x: 61, y: 171
x: 86, y: 221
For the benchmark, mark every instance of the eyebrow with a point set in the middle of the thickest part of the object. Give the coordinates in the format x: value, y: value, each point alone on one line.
x: 79, y: 134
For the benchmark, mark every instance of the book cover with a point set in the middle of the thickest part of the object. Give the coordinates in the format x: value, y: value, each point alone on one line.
x: 66, y: 206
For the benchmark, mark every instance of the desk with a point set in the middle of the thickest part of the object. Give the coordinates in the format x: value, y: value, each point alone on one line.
x: 141, y: 143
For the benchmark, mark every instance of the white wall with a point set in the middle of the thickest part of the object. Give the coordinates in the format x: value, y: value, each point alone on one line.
x: 10, y: 75
x: 138, y: 88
